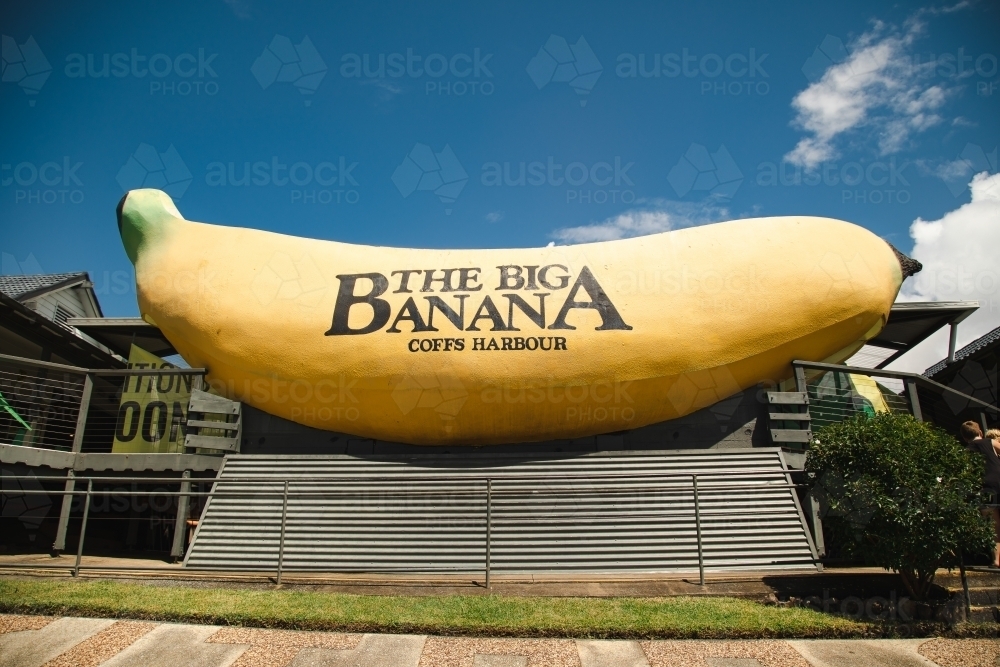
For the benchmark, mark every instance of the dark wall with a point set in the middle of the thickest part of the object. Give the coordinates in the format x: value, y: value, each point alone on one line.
x: 729, y: 423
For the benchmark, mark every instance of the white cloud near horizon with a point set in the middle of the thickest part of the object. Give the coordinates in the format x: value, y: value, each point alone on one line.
x: 659, y: 216
x: 961, y: 263
x: 879, y: 88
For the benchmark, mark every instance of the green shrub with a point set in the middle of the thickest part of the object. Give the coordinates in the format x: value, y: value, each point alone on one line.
x: 900, y: 494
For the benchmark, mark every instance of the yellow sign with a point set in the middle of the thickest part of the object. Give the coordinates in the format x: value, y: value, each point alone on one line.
x: 153, y: 408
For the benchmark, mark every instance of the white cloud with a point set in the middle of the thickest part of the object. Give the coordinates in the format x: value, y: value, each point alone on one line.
x: 659, y: 216
x: 878, y: 87
x: 494, y: 216
x: 961, y: 262
x: 956, y: 169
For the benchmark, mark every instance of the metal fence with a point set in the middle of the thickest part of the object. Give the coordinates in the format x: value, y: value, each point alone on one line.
x: 688, y: 488
x: 837, y: 393
x: 53, y: 406
x: 40, y: 406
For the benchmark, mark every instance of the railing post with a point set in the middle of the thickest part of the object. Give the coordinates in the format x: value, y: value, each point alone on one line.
x: 83, y: 528
x: 911, y: 391
x: 180, y: 522
x: 697, y: 527
x: 67, y: 504
x: 81, y: 422
x: 281, y: 541
x: 817, y: 523
x: 489, y: 528
x: 952, y: 341
x: 81, y: 415
x: 800, y: 380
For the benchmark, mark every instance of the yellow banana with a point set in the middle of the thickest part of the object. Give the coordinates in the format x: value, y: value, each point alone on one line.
x: 518, y: 345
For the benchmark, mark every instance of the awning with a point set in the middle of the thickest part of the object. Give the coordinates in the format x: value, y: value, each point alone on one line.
x: 118, y: 333
x: 911, y: 323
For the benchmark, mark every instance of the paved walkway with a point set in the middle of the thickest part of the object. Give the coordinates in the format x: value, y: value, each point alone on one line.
x: 43, y: 641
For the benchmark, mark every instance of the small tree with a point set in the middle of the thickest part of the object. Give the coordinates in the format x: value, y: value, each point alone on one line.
x: 900, y: 494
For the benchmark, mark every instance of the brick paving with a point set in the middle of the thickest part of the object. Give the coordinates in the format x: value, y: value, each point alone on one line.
x: 45, y: 641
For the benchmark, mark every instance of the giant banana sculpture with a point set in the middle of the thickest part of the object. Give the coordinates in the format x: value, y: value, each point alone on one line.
x: 518, y: 345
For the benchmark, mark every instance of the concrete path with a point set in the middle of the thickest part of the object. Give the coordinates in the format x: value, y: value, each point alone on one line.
x: 35, y: 641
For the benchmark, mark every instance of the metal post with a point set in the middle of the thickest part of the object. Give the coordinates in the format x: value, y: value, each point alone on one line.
x: 281, y: 542
x: 81, y: 422
x: 489, y: 528
x: 952, y: 341
x: 817, y: 523
x: 911, y: 391
x: 67, y: 504
x: 982, y: 421
x: 180, y: 523
x: 81, y: 415
x: 83, y: 528
x: 697, y: 526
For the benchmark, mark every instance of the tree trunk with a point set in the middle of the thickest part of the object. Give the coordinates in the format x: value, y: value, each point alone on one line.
x: 917, y: 582
x: 909, y: 578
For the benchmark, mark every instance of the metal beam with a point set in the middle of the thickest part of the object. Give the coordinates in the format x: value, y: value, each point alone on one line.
x: 62, y: 460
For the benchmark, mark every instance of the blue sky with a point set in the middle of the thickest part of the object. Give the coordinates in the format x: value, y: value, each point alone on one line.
x: 661, y: 116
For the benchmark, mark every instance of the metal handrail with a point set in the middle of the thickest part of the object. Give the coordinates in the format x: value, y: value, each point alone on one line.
x: 429, y: 478
x: 900, y: 375
x: 325, y: 494
x: 100, y: 371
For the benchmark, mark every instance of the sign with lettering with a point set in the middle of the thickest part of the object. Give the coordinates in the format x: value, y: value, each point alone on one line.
x: 153, y: 408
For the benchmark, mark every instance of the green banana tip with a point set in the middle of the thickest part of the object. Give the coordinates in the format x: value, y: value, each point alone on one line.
x: 143, y: 215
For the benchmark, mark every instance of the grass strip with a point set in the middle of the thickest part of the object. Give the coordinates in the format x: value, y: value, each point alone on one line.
x: 480, y: 615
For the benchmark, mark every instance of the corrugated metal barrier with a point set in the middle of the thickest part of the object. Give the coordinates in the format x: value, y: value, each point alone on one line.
x: 609, y: 512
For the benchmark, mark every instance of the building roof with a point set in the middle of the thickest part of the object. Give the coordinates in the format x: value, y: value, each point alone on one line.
x: 26, y: 287
x: 981, y: 343
x: 60, y: 340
